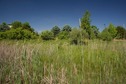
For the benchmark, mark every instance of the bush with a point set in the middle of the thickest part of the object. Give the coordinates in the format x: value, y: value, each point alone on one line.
x: 78, y: 36
x: 18, y: 34
x: 121, y: 32
x: 63, y: 35
x: 47, y: 35
x: 105, y: 35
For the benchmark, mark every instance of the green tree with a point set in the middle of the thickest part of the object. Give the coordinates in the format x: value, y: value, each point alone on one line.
x: 16, y: 24
x: 121, y: 32
x: 67, y: 28
x: 85, y: 23
x: 27, y: 26
x: 4, y: 27
x: 63, y: 35
x: 55, y: 30
x: 47, y: 35
x: 112, y: 30
x: 105, y: 35
x: 3, y: 35
x: 18, y: 34
x: 78, y: 36
x: 95, y: 30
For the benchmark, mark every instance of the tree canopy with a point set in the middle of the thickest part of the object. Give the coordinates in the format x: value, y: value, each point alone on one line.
x: 55, y: 30
x: 121, y: 32
x: 67, y: 28
x: 4, y: 27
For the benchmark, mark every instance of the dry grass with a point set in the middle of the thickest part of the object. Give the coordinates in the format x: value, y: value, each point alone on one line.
x: 58, y: 62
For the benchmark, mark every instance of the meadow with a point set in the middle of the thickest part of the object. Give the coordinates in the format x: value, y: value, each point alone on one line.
x: 58, y: 62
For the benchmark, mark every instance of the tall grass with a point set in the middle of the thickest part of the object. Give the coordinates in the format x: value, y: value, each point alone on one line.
x: 58, y: 62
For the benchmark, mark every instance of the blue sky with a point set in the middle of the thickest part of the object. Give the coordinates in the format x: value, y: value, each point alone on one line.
x: 44, y: 14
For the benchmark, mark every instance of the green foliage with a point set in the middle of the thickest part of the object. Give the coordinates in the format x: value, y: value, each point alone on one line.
x: 16, y: 24
x: 95, y: 30
x: 18, y: 34
x: 27, y: 26
x: 4, y: 27
x: 121, y: 32
x: 67, y: 28
x: 78, y: 36
x: 2, y: 35
x: 105, y: 35
x: 23, y: 62
x: 92, y: 34
x: 63, y: 35
x: 109, y: 33
x: 55, y: 30
x: 86, y: 23
x: 47, y: 35
x: 112, y: 30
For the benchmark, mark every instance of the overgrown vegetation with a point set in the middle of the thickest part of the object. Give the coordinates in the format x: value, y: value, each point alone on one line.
x: 20, y: 31
x: 65, y: 55
x: 58, y: 62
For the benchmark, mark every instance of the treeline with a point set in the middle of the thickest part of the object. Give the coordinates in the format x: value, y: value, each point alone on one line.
x: 20, y: 31
x: 86, y: 31
x: 17, y: 30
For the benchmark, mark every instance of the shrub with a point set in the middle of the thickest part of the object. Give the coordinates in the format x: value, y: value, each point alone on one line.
x: 18, y: 34
x: 78, y: 36
x: 105, y: 35
x: 47, y: 35
x: 63, y: 35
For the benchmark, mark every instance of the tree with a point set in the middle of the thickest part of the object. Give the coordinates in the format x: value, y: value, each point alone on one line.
x: 95, y: 30
x: 55, y: 30
x: 85, y: 23
x: 112, y: 30
x: 27, y: 26
x: 105, y: 35
x: 4, y: 27
x: 16, y: 24
x: 47, y: 35
x: 121, y: 32
x: 19, y: 34
x: 78, y: 36
x: 67, y: 28
x: 63, y: 35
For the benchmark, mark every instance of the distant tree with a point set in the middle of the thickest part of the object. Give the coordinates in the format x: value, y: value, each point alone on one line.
x: 63, y: 35
x: 67, y: 28
x: 121, y: 32
x: 112, y: 30
x: 55, y: 30
x: 18, y: 31
x: 18, y: 34
x: 16, y: 24
x: 47, y: 35
x: 27, y: 26
x: 95, y: 30
x: 4, y: 27
x: 78, y: 36
x: 85, y: 23
x: 105, y: 35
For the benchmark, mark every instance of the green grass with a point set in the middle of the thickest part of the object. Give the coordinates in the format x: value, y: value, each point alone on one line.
x: 58, y: 62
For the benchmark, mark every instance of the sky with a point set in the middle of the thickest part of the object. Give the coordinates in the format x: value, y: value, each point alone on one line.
x: 45, y: 14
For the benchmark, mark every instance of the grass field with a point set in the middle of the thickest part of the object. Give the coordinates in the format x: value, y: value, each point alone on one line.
x: 58, y: 62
